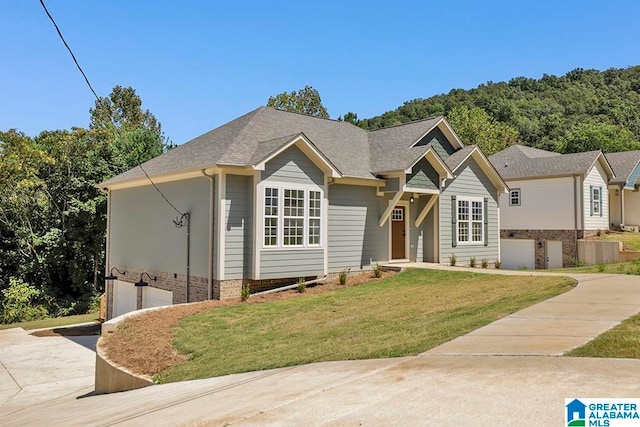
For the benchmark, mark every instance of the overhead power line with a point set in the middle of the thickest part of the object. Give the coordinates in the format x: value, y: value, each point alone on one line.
x: 69, y: 49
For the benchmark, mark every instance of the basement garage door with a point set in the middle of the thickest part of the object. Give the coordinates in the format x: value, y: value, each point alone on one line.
x: 154, y: 297
x: 517, y: 253
x: 125, y: 298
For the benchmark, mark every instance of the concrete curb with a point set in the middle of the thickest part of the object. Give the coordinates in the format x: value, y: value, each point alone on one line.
x: 111, y: 377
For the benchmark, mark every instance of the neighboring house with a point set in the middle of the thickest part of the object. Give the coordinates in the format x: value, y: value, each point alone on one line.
x: 274, y: 196
x: 624, y: 196
x: 554, y: 200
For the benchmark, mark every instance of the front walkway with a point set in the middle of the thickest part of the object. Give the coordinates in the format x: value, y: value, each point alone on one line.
x: 554, y: 326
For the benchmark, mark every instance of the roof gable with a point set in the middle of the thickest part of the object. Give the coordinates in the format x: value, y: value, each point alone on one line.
x: 458, y: 159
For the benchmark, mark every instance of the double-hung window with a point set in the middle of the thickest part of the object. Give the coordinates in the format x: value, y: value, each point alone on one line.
x: 596, y: 201
x: 470, y: 220
x: 297, y: 223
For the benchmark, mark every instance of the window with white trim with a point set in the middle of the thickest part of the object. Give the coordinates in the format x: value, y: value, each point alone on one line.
x: 596, y: 201
x: 297, y: 223
x: 470, y: 220
x: 514, y: 197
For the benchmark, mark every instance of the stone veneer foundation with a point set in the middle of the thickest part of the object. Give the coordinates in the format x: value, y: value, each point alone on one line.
x: 567, y: 237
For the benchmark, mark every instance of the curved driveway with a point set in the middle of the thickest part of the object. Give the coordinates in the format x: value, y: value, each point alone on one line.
x: 497, y: 375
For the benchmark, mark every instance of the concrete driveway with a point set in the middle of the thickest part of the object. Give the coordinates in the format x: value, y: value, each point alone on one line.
x: 498, y: 375
x: 34, y: 370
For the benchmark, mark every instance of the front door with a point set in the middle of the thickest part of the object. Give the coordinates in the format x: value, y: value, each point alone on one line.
x: 398, y: 233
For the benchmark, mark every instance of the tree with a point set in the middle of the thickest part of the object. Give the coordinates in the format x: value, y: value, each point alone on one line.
x: 306, y: 101
x: 123, y: 109
x: 597, y: 136
x: 475, y: 126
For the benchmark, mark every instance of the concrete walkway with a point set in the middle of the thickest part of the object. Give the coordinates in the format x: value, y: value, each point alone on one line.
x: 479, y: 379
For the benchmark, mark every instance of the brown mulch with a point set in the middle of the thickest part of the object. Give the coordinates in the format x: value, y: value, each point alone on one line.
x: 143, y: 344
x: 69, y: 331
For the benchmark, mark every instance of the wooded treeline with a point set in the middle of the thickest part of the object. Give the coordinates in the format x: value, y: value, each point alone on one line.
x: 580, y: 111
x: 52, y: 216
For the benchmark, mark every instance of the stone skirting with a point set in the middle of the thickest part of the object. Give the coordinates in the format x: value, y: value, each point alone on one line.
x: 567, y: 237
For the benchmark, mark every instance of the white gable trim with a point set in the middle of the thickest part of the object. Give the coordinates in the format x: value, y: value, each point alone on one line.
x: 487, y: 168
x: 448, y: 132
x: 310, y: 150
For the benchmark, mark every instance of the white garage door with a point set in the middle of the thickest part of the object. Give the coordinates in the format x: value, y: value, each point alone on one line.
x: 154, y: 297
x: 125, y: 298
x: 516, y: 254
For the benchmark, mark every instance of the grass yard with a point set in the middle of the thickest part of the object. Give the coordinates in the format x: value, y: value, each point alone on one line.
x: 403, y: 315
x: 615, y: 268
x: 53, y: 322
x: 623, y: 341
x: 630, y: 240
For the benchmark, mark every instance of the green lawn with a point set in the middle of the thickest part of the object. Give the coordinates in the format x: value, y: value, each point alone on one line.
x: 615, y: 268
x: 53, y: 322
x: 404, y: 315
x: 623, y: 341
x: 632, y: 240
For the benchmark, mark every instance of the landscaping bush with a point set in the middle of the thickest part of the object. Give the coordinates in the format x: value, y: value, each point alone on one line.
x: 22, y: 302
x: 485, y: 263
x: 377, y: 271
x: 497, y: 264
x: 452, y: 260
x: 246, y: 292
x: 302, y: 285
x: 472, y: 261
x: 342, y: 277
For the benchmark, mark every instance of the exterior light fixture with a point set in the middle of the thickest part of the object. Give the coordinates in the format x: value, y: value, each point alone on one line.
x: 411, y: 199
x: 112, y: 277
x: 141, y: 282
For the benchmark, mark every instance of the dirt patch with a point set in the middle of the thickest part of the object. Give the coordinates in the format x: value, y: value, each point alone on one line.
x: 143, y: 344
x: 70, y: 331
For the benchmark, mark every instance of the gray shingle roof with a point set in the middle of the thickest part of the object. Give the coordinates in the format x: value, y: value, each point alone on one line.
x: 248, y: 139
x: 623, y: 164
x: 514, y: 162
x: 454, y: 160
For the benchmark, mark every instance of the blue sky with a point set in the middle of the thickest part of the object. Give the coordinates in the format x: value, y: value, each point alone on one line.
x: 199, y: 64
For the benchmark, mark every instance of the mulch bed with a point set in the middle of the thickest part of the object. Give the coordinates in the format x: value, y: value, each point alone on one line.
x: 143, y: 344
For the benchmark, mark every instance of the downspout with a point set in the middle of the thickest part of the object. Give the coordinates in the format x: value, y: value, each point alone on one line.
x: 287, y: 287
x: 188, y: 252
x: 575, y: 213
x: 108, y: 308
x: 210, y: 259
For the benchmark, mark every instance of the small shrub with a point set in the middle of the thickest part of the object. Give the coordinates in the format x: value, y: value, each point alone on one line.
x: 472, y: 261
x: 377, y: 271
x: 522, y: 267
x: 497, y: 264
x: 246, y: 291
x: 452, y: 260
x: 599, y: 233
x: 485, y: 263
x: 342, y: 277
x: 302, y: 285
x: 22, y: 302
x: 601, y: 267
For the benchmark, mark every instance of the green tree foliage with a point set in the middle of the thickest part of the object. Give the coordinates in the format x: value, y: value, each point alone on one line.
x: 22, y: 302
x: 52, y: 216
x: 475, y: 126
x: 305, y: 101
x: 597, y: 136
x: 542, y: 111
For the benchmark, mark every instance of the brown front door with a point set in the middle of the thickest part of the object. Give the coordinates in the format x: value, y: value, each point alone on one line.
x: 397, y: 233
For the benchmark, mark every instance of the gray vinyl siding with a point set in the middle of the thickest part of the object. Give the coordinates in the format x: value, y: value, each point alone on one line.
x: 142, y: 233
x: 391, y: 184
x: 355, y: 239
x: 294, y: 167
x: 633, y: 177
x: 439, y: 142
x: 472, y: 182
x: 279, y: 264
x: 423, y: 176
x: 238, y: 242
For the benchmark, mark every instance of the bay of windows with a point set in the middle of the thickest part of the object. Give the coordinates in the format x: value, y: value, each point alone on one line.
x: 298, y: 221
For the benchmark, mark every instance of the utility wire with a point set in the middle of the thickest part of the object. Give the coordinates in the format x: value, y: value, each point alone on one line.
x: 69, y: 49
x: 183, y: 218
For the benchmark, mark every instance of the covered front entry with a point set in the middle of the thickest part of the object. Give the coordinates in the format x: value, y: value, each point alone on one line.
x: 398, y: 233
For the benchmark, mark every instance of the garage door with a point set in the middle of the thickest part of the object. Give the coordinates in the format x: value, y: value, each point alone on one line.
x: 125, y: 298
x: 154, y: 297
x: 516, y: 254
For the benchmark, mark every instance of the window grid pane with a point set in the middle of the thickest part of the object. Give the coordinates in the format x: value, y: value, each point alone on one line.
x: 463, y: 210
x: 293, y: 230
x: 270, y: 216
x: 315, y: 209
x: 463, y: 231
x: 470, y: 224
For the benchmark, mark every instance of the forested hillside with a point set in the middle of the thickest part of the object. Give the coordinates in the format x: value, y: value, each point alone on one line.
x: 582, y: 110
